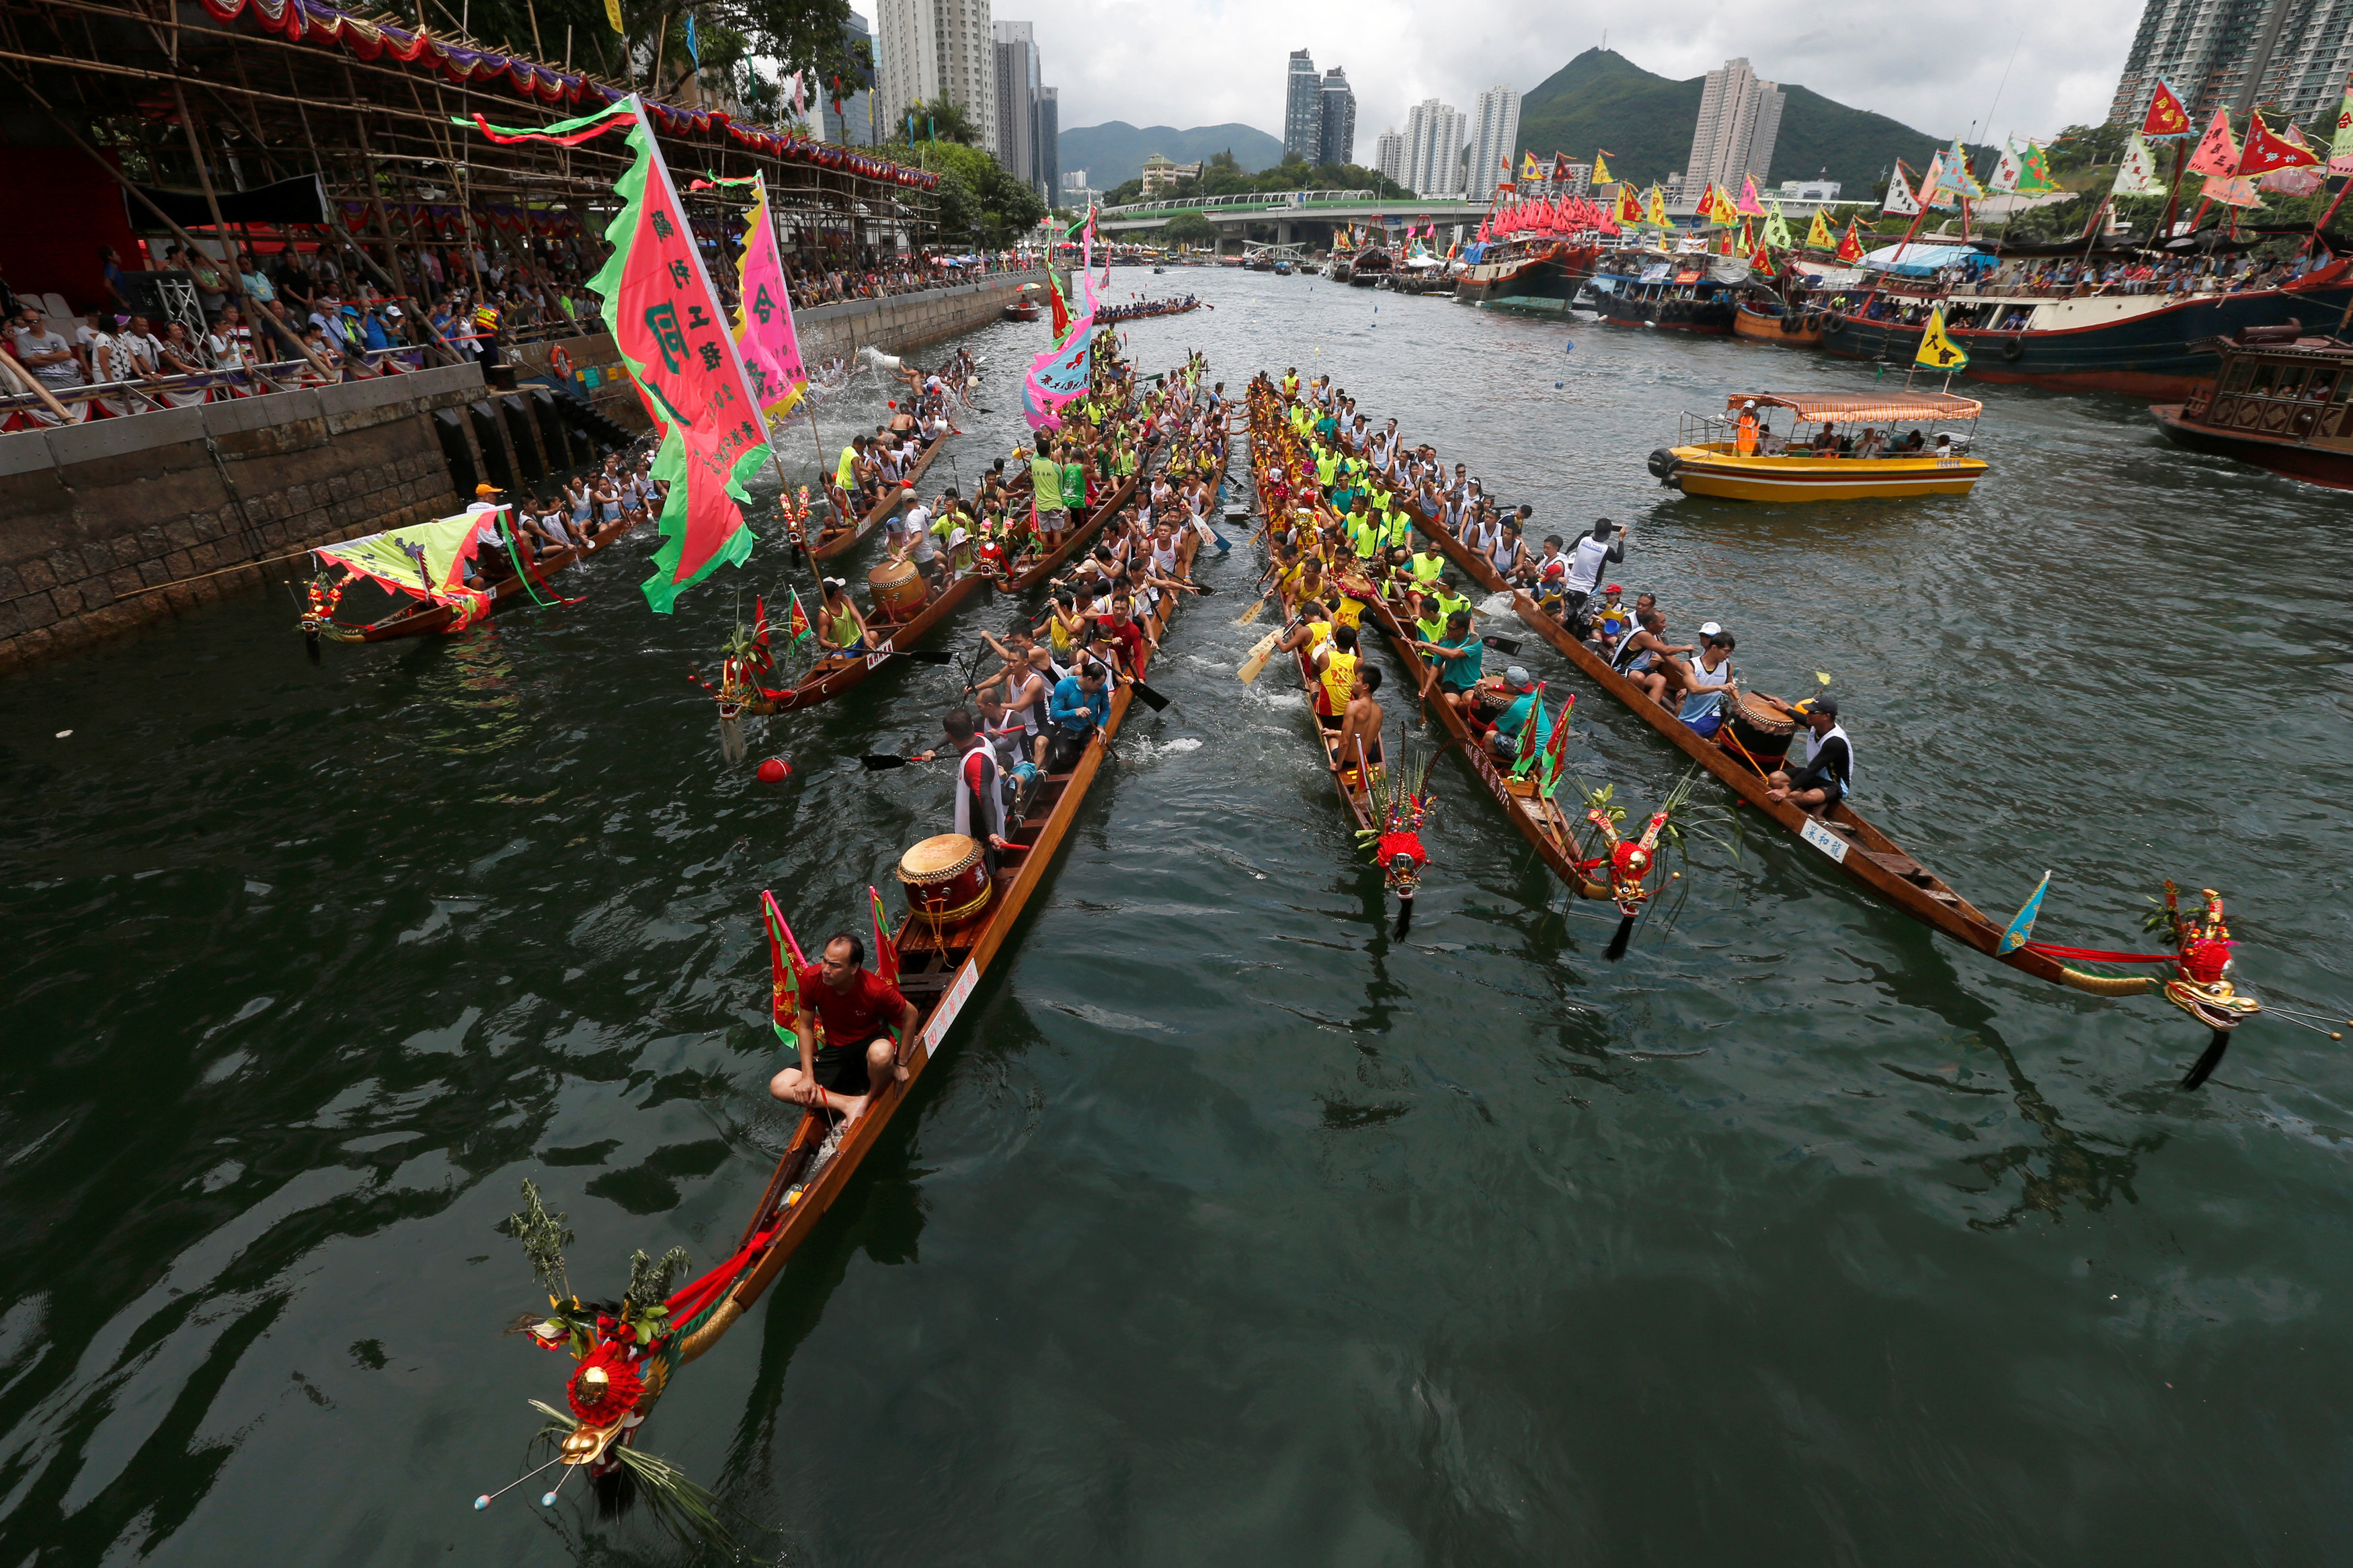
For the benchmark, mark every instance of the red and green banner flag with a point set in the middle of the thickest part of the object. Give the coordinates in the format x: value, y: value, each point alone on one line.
x: 785, y: 962
x: 797, y: 626
x: 673, y: 334
x: 886, y: 957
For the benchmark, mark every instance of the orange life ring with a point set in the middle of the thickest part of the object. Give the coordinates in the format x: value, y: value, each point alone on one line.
x: 560, y: 363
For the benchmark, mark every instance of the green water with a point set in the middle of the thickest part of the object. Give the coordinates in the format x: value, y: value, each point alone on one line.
x: 1227, y: 1228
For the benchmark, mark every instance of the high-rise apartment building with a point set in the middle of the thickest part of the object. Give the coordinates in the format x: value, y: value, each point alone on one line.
x: 854, y: 124
x: 936, y: 49
x: 1338, y: 140
x: 1739, y: 119
x: 2238, y: 54
x: 1049, y: 137
x: 1433, y: 151
x: 1494, y: 141
x: 1388, y: 156
x: 1302, y: 109
x: 1020, y: 85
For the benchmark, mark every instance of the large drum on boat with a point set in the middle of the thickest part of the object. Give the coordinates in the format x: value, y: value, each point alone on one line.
x: 1763, y: 727
x: 898, y: 588
x: 946, y: 878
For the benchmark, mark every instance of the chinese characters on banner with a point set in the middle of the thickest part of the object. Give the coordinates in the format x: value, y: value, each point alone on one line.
x: 665, y: 318
x: 763, y: 324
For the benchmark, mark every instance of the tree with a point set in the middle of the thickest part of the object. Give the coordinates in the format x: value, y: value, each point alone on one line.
x: 795, y: 35
x: 978, y: 199
x: 943, y: 119
x: 1189, y: 229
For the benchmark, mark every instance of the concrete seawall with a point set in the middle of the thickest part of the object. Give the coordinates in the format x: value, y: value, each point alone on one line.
x: 107, y: 525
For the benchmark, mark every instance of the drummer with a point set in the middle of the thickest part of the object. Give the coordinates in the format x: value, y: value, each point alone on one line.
x: 840, y: 628
x: 867, y: 1023
x: 1829, y: 770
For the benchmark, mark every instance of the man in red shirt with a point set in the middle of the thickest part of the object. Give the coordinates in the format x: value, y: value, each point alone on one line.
x: 1125, y: 636
x: 860, y: 1012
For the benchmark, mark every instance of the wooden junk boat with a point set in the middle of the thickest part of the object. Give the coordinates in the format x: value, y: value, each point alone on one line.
x: 2280, y: 401
x: 1529, y: 273
x: 1677, y: 294
x: 1764, y: 318
x: 425, y: 566
x: 1708, y: 458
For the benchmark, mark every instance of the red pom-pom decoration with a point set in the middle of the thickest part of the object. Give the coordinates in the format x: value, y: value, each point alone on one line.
x: 605, y: 1387
x: 1409, y: 844
x: 775, y: 770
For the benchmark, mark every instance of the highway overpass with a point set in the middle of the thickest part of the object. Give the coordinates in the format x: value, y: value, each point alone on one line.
x: 1285, y: 209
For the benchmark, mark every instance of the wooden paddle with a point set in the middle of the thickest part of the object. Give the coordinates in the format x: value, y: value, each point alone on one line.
x: 1255, y: 665
x: 879, y: 762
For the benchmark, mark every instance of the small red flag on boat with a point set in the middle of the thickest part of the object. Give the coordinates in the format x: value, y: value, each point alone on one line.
x: 2264, y: 151
x: 1850, y: 249
x: 797, y: 624
x: 785, y: 961
x: 2165, y: 116
x: 886, y: 957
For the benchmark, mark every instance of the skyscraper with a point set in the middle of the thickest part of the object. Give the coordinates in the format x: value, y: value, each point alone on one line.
x: 1739, y: 119
x: 1019, y: 85
x: 1433, y: 149
x: 855, y: 124
x: 1050, y: 139
x: 1303, y: 110
x: 1388, y: 156
x: 933, y: 49
x: 1338, y: 140
x: 1494, y: 138
x: 2238, y: 54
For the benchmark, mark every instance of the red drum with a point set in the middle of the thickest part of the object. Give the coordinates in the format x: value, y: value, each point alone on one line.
x: 946, y: 881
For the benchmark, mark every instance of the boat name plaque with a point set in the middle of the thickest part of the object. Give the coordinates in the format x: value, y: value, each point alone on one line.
x: 1823, y: 839
x: 952, y: 1001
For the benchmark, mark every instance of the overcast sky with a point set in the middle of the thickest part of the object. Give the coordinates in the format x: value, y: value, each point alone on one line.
x: 1204, y: 62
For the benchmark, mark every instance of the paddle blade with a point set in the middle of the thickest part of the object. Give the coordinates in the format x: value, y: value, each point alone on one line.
x: 1253, y: 613
x: 875, y: 762
x: 924, y: 655
x: 1251, y: 668
x: 1404, y: 918
x: 1151, y: 699
x: 1625, y: 933
x: 1502, y: 644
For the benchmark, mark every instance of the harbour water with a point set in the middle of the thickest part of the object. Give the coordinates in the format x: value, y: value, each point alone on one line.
x: 1227, y: 1228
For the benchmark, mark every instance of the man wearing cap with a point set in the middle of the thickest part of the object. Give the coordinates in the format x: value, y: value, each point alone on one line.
x: 1829, y: 770
x: 1504, y: 734
x: 1594, y: 552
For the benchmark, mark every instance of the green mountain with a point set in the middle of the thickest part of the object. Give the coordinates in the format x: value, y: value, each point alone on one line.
x: 1113, y: 153
x: 1601, y: 98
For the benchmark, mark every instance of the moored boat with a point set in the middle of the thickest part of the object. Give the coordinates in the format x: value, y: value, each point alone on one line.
x: 424, y: 567
x: 1529, y: 273
x: 1767, y: 319
x: 2280, y: 400
x: 1735, y: 457
x: 1684, y: 293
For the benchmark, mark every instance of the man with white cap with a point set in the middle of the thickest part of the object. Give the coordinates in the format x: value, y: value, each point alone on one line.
x: 1526, y: 706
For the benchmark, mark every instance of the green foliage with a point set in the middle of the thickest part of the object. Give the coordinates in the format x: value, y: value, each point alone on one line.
x: 1189, y: 229
x: 686, y: 1511
x: 941, y: 119
x: 1114, y: 152
x: 975, y: 194
x: 642, y: 1307
x: 791, y: 34
x: 544, y: 1236
x: 1293, y: 175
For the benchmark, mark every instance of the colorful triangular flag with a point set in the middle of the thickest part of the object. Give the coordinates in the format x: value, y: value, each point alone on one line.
x: 2166, y: 117
x: 2136, y: 170
x: 1937, y: 350
x: 1900, y: 200
x: 2218, y: 153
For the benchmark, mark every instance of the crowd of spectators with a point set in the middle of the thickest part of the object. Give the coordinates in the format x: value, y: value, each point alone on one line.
x: 331, y: 312
x: 2140, y: 275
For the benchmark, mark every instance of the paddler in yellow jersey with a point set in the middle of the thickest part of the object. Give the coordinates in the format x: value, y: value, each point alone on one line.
x: 1427, y: 566
x: 1335, y: 677
x: 1291, y: 382
x: 1047, y: 516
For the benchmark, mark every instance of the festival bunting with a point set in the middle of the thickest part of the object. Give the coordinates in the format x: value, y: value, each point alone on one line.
x: 2136, y: 170
x: 1900, y: 200
x: 1748, y: 205
x: 764, y: 314
x: 2007, y: 170
x: 1850, y: 249
x: 2218, y: 153
x: 666, y: 319
x: 2231, y: 191
x: 613, y: 14
x: 1722, y: 210
x: 2166, y: 117
x: 1937, y: 351
x: 1932, y: 193
x: 1601, y: 158
x: 1777, y: 230
x: 2035, y: 172
x: 1061, y: 373
x: 1819, y: 236
x: 1957, y: 178
x: 1706, y: 206
x: 1760, y: 259
x: 1630, y: 205
x: 1560, y: 172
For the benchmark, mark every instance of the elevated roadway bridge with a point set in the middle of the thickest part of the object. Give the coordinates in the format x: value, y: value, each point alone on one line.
x: 1289, y: 211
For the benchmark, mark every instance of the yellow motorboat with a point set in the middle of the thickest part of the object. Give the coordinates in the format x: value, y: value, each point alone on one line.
x: 1857, y: 447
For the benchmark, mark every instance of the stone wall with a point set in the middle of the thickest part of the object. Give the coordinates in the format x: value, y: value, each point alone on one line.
x: 107, y: 525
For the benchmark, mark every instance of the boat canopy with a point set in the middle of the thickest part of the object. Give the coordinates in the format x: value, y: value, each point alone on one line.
x: 1891, y: 407
x: 1919, y: 261
x: 424, y: 560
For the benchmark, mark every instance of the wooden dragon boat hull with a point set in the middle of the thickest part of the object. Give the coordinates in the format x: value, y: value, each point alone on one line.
x: 1867, y: 857
x: 878, y: 512
x: 428, y: 618
x: 938, y: 972
x: 835, y: 673
x: 1028, y: 577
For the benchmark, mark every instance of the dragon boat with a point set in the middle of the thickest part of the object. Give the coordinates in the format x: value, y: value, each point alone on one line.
x: 627, y: 1352
x: 829, y: 545
x: 1754, y: 743
x: 424, y: 567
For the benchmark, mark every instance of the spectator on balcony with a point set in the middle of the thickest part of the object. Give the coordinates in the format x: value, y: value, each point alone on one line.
x: 45, y: 353
x: 110, y: 267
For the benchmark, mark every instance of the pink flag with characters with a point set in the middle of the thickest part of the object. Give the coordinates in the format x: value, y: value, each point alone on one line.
x: 666, y: 319
x: 763, y: 321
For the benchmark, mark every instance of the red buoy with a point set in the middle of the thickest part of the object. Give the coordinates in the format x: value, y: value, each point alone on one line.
x: 775, y: 770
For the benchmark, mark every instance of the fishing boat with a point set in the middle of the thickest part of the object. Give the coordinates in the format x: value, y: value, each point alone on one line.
x: 1529, y: 273
x: 1713, y: 457
x: 2280, y: 400
x: 1764, y: 318
x: 1369, y: 267
x: 829, y: 545
x: 1756, y: 741
x: 1694, y: 293
x: 2155, y: 346
x: 424, y: 568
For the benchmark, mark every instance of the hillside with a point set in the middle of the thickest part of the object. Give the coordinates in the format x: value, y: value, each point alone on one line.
x: 1114, y: 153
x: 1600, y: 98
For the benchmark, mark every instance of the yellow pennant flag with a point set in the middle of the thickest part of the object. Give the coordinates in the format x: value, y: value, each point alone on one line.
x: 1601, y: 169
x: 1658, y: 208
x: 1720, y: 208
x: 1529, y: 168
x: 1820, y: 236
x: 613, y: 14
x: 1937, y: 351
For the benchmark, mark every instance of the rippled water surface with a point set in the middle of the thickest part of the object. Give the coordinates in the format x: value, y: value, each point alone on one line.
x: 1228, y: 1229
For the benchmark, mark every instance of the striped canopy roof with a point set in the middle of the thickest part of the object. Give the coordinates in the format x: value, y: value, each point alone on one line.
x: 1890, y: 407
